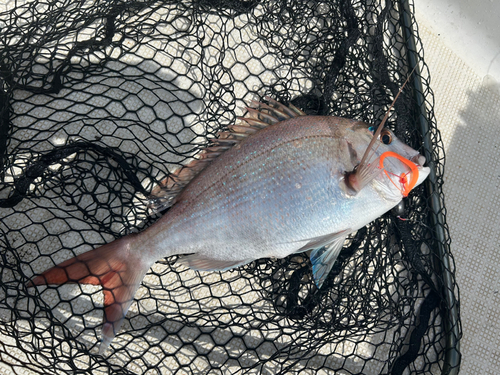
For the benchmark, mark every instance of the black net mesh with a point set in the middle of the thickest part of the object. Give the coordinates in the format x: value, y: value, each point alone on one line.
x: 101, y: 100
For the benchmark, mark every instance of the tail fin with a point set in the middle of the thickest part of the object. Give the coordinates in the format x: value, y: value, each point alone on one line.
x: 114, y: 266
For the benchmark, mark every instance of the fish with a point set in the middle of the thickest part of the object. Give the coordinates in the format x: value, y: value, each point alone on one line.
x: 278, y: 182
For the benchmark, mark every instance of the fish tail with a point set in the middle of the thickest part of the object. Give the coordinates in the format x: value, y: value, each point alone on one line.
x: 116, y: 267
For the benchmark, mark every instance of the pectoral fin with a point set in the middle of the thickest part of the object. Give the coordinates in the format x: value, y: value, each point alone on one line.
x: 323, y: 259
x: 362, y: 176
x: 326, y: 250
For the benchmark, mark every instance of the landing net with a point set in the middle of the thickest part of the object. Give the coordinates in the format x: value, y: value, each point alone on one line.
x: 101, y: 100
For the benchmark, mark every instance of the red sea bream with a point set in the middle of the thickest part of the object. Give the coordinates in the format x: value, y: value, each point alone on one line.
x: 277, y: 184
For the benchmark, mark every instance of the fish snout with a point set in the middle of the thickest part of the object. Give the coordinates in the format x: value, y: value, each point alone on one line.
x: 418, y: 160
x: 423, y: 172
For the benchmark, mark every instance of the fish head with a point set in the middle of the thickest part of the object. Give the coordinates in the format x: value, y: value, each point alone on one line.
x: 403, y: 167
x: 398, y: 165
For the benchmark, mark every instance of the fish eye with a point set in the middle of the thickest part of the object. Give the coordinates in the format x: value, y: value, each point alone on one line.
x: 386, y: 137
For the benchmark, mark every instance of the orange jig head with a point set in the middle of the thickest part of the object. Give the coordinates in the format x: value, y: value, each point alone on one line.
x: 403, y: 179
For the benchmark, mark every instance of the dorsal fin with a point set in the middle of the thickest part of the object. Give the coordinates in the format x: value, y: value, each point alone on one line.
x: 259, y: 116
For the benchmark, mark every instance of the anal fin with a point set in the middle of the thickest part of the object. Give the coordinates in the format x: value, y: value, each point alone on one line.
x: 200, y: 263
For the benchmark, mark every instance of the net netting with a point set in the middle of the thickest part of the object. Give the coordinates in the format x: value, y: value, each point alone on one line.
x: 101, y: 100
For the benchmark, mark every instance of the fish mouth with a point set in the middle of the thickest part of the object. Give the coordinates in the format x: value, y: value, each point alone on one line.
x: 423, y: 171
x: 416, y: 174
x: 419, y: 160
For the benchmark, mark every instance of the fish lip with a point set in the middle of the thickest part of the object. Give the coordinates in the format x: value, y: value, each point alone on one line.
x: 419, y: 160
x: 423, y: 173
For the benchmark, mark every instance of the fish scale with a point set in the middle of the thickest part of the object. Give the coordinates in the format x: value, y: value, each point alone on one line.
x: 280, y: 184
x: 245, y: 212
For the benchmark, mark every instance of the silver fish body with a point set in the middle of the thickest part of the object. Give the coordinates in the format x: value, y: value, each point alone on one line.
x: 273, y: 193
x: 281, y: 189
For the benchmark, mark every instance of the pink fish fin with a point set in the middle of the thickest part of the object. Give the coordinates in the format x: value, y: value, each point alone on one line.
x: 200, y: 263
x: 362, y: 176
x: 114, y: 268
x: 164, y: 194
x: 325, y: 250
x: 261, y: 115
x: 254, y: 123
x: 290, y: 111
